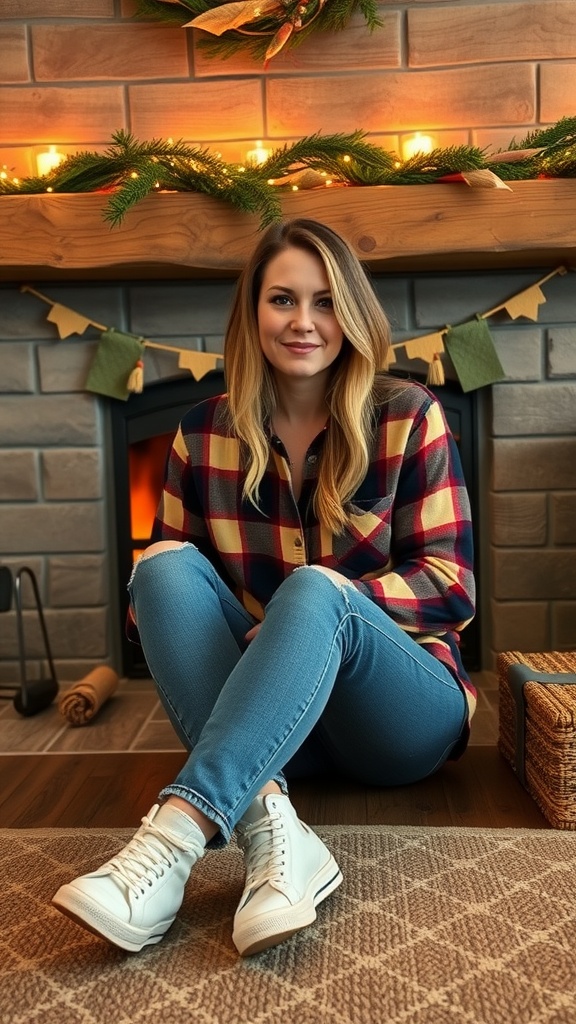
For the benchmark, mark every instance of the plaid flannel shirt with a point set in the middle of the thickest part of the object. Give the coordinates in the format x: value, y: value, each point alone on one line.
x: 408, y: 545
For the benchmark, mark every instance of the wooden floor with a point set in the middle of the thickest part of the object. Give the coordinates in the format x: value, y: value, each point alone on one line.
x: 115, y: 789
x: 110, y: 773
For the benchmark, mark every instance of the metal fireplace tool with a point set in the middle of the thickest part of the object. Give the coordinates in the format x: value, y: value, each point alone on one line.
x: 33, y: 695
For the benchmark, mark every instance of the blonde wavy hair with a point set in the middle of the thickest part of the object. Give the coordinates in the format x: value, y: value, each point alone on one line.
x: 356, y: 387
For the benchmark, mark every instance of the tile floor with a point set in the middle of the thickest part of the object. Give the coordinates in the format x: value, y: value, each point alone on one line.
x: 134, y: 720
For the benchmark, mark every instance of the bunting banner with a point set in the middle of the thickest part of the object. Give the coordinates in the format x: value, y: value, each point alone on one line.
x: 118, y: 368
x: 470, y: 346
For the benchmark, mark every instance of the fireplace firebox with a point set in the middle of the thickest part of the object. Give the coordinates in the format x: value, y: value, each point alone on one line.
x: 141, y: 433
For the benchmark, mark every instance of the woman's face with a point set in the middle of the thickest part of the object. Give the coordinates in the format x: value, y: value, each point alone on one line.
x: 299, y: 333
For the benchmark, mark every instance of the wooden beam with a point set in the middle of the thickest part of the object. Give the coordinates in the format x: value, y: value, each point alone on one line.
x: 392, y: 228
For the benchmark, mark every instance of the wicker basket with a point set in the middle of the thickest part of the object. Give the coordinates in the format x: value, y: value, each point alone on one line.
x: 537, y: 728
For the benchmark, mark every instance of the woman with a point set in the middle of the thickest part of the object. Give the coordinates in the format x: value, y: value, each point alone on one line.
x: 298, y: 608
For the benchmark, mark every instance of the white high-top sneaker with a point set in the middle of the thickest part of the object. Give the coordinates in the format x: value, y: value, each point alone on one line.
x: 289, y: 872
x: 133, y: 899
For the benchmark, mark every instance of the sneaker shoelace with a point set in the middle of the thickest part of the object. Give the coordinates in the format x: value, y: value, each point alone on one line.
x: 263, y: 843
x: 145, y: 858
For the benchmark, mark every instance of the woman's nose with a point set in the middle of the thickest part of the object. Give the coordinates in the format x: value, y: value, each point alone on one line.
x: 303, y: 320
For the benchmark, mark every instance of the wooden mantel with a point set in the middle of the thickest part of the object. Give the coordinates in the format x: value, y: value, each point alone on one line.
x: 393, y: 228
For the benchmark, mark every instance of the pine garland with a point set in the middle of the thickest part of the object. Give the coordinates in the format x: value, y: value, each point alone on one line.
x: 130, y: 170
x: 284, y: 24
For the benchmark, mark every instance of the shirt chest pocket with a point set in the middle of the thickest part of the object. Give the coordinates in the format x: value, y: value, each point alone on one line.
x: 365, y: 544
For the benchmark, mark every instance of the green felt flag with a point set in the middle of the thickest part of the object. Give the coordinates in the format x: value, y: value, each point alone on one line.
x: 116, y: 357
x: 471, y: 349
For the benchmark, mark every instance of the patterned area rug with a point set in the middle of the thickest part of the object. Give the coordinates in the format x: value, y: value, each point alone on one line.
x: 431, y: 926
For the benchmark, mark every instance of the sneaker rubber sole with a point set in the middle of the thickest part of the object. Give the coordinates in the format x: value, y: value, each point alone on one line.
x: 90, y: 915
x: 269, y: 930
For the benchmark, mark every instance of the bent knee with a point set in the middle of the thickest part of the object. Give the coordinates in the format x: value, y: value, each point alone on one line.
x: 159, y: 546
x: 335, y: 577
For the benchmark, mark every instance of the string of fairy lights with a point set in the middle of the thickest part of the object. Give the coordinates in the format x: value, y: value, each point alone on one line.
x: 130, y: 169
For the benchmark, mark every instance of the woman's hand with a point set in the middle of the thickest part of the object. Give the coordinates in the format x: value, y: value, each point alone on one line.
x: 252, y: 632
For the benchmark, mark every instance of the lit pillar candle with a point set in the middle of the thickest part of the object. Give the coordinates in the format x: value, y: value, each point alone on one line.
x: 259, y: 154
x: 48, y: 160
x: 417, y: 143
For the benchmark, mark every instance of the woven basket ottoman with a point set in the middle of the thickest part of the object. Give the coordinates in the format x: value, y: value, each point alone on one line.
x: 537, y: 728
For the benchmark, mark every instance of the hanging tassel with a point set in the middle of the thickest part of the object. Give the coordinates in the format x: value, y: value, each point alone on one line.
x: 435, y: 376
x: 135, y: 382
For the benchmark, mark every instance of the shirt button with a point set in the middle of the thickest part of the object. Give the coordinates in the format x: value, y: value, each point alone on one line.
x: 312, y: 459
x: 298, y: 542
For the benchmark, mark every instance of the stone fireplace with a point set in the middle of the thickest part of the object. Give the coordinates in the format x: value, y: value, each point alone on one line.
x: 58, y: 501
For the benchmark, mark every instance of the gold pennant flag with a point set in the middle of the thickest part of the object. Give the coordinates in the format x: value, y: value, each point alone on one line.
x: 525, y: 303
x: 425, y: 347
x: 67, y: 320
x: 199, y: 363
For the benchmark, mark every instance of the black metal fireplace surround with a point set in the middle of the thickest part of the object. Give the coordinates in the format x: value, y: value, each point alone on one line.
x: 158, y: 411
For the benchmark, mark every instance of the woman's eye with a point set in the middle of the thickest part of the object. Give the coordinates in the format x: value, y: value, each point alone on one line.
x: 281, y: 300
x: 326, y: 303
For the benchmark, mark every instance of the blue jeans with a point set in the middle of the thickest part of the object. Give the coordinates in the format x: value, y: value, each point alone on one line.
x: 329, y: 684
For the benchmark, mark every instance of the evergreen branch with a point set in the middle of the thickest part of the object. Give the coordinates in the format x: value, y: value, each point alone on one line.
x: 133, y: 169
x: 562, y: 133
x: 135, y: 187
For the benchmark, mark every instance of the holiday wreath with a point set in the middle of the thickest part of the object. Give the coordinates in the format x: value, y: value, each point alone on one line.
x: 264, y: 27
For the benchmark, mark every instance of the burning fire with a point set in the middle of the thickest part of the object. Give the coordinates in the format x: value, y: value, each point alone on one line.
x: 146, y: 464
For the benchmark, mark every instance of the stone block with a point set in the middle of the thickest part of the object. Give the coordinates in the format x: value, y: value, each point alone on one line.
x: 14, y: 50
x: 401, y: 100
x: 102, y: 52
x: 534, y: 574
x: 563, y: 626
x: 485, y: 33
x: 77, y: 580
x: 74, y: 669
x: 18, y: 476
x: 70, y: 474
x: 23, y: 316
x: 16, y: 368
x: 394, y: 297
x: 187, y: 111
x: 518, y: 520
x: 520, y: 625
x: 72, y: 634
x: 522, y: 409
x: 170, y: 310
x: 563, y: 516
x: 64, y: 366
x: 560, y: 307
x: 561, y: 352
x: 31, y: 115
x: 356, y: 49
x: 557, y: 91
x: 520, y: 352
x: 102, y: 304
x: 52, y: 528
x: 49, y: 420
x: 36, y: 565
x: 540, y: 463
x: 438, y: 301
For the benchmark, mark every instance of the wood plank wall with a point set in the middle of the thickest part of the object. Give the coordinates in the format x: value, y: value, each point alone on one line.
x: 470, y: 71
